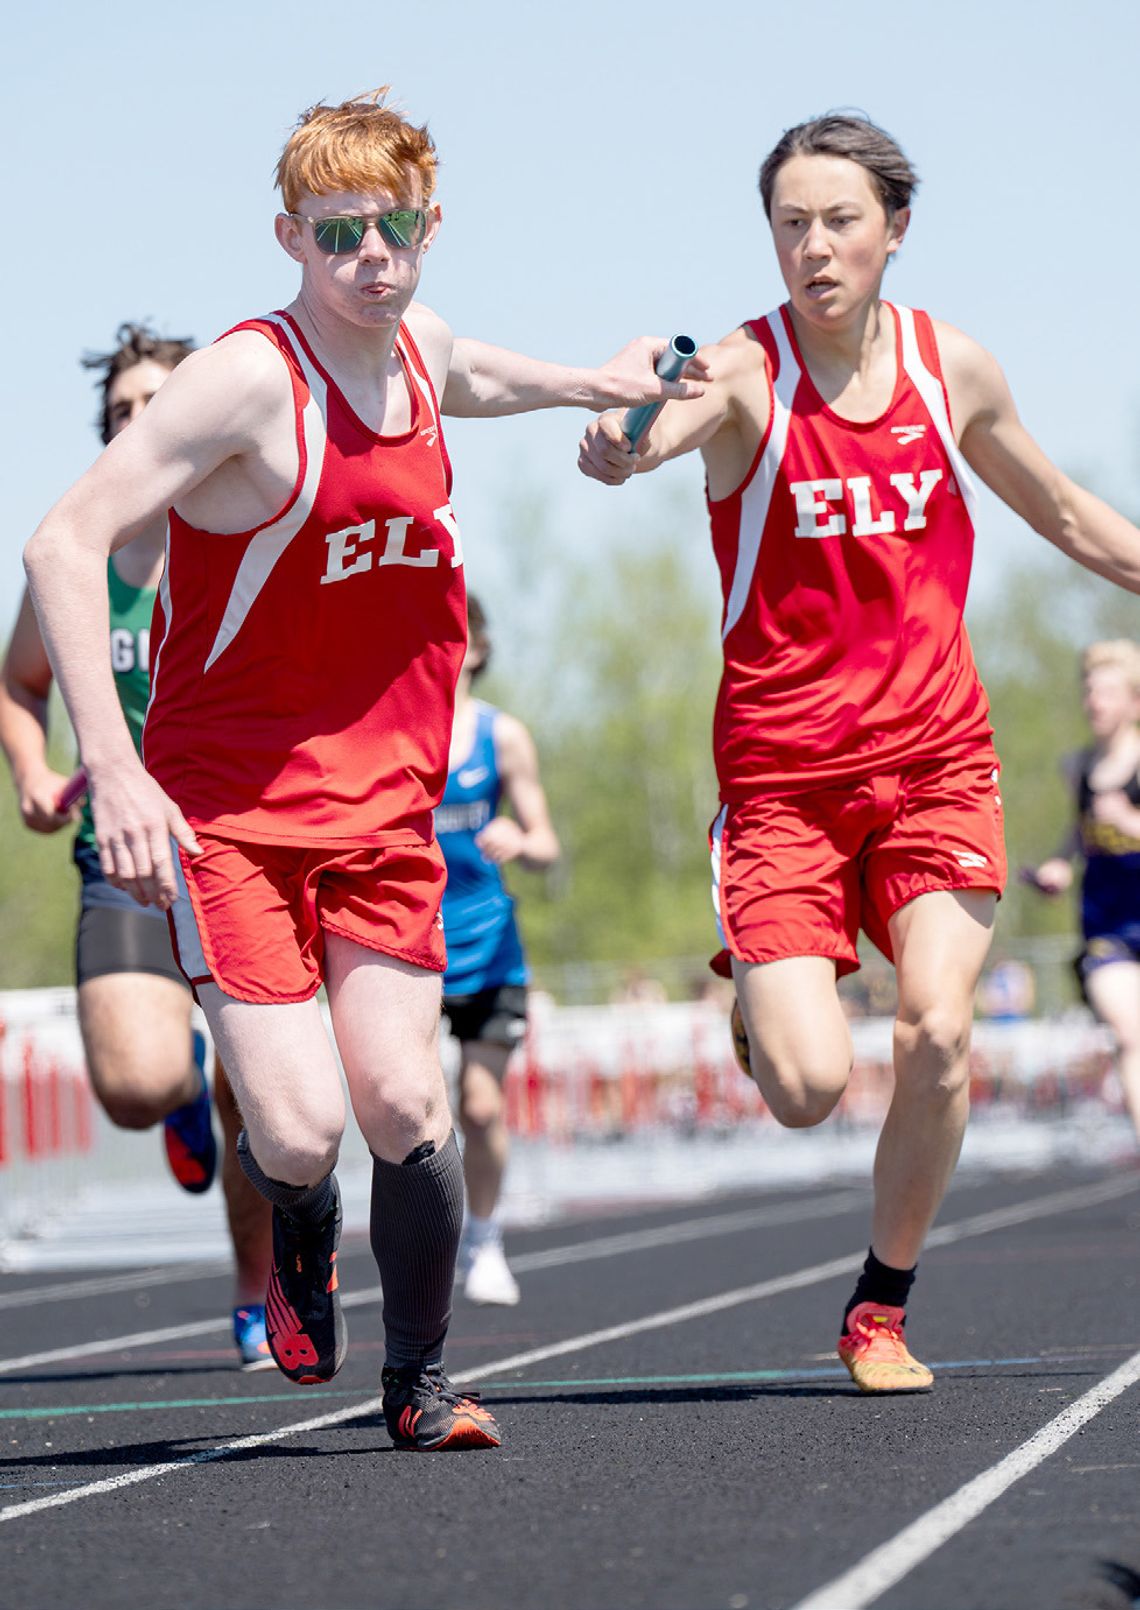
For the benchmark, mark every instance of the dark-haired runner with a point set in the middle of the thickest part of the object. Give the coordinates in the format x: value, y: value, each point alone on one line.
x: 311, y: 627
x: 852, y: 739
x: 485, y: 986
x: 133, y: 1003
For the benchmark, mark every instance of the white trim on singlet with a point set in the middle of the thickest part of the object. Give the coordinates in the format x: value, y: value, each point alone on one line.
x: 164, y: 600
x: 422, y: 383
x: 929, y: 388
x: 264, y: 549
x: 715, y: 838
x: 757, y: 497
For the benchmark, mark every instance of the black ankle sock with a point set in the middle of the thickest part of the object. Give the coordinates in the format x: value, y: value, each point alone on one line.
x: 305, y: 1204
x: 417, y: 1214
x: 879, y: 1283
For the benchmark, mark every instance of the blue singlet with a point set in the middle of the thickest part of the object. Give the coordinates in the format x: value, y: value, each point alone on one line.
x: 483, y: 946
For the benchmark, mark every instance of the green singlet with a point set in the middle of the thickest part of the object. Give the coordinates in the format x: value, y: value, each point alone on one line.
x: 131, y: 610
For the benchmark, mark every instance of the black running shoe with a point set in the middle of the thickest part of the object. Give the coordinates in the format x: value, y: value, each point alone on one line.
x: 304, y: 1325
x: 424, y: 1411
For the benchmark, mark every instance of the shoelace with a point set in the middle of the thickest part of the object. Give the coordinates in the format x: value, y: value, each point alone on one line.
x: 442, y: 1388
x: 874, y: 1330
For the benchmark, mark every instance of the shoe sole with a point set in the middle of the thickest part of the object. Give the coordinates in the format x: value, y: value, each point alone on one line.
x: 465, y: 1434
x: 905, y: 1385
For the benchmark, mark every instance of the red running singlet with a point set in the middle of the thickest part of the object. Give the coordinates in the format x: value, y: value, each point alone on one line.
x: 845, y: 558
x: 304, y: 672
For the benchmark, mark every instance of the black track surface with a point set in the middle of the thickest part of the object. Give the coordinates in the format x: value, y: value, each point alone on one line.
x: 640, y: 1472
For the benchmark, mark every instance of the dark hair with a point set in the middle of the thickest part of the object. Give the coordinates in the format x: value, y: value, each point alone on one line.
x: 478, y: 633
x: 850, y: 135
x: 136, y: 343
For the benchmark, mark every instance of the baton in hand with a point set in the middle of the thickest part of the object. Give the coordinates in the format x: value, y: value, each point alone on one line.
x: 637, y: 421
x: 72, y: 792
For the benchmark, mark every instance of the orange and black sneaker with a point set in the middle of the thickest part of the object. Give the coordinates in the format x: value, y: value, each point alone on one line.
x: 874, y: 1349
x: 304, y: 1325
x: 740, y: 1040
x: 423, y: 1411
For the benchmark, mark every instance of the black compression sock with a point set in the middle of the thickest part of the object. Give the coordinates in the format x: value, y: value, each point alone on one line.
x: 305, y: 1204
x: 879, y: 1283
x: 417, y: 1214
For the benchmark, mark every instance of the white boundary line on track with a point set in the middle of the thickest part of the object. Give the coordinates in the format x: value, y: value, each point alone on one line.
x: 101, y: 1285
x: 884, y: 1567
x: 981, y: 1224
x: 576, y: 1252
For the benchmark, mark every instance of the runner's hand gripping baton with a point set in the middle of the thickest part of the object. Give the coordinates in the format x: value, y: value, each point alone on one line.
x: 72, y: 791
x: 637, y: 421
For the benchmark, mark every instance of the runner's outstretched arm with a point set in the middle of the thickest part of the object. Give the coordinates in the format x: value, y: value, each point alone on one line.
x: 204, y: 414
x: 483, y: 382
x: 996, y: 444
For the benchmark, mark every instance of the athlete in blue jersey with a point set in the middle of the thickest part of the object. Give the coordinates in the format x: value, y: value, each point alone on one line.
x: 1106, y: 783
x: 484, y: 991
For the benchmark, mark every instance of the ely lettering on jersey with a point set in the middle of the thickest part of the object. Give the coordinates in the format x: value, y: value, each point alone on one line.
x: 845, y: 558
x: 304, y: 672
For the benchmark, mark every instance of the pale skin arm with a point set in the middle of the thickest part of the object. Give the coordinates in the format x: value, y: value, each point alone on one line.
x: 24, y: 689
x: 528, y: 836
x: 478, y: 381
x: 997, y: 446
x: 726, y: 423
x: 210, y: 410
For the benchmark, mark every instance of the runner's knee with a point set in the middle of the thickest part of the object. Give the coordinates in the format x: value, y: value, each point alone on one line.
x: 932, y: 1048
x: 800, y: 1091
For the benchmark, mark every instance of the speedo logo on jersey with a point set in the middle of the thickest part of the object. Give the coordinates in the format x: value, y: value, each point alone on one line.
x: 871, y: 512
x: 355, y: 550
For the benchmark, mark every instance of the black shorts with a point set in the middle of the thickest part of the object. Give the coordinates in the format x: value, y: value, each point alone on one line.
x: 495, y: 1016
x: 116, y: 934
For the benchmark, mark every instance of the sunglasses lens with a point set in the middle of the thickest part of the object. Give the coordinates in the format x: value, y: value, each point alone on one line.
x: 403, y: 227
x: 337, y: 235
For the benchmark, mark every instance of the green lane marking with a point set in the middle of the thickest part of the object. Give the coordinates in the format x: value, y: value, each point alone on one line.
x: 718, y: 1378
x: 176, y: 1403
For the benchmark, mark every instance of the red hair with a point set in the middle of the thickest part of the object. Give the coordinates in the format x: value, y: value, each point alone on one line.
x: 360, y: 145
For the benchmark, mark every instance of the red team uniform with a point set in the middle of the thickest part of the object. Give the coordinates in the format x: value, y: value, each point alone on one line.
x: 852, y: 738
x: 302, y: 690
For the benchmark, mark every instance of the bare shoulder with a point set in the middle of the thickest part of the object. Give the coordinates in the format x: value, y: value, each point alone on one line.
x: 434, y: 338
x: 738, y: 353
x: 513, y: 742
x: 236, y: 383
x: 973, y: 375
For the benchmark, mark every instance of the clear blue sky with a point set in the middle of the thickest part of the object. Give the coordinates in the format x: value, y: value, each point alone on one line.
x: 598, y: 181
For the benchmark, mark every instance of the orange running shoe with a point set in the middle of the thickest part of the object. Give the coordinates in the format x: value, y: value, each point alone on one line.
x: 423, y: 1411
x: 874, y: 1349
x: 740, y: 1040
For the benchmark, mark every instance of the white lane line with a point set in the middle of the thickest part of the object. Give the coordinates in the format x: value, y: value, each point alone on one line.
x: 668, y: 1235
x: 576, y: 1252
x: 1059, y: 1201
x: 884, y: 1567
x: 32, y: 1296
x: 1001, y: 1218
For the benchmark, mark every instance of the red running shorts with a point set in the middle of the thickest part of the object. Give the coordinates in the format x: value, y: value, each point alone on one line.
x: 254, y: 916
x: 798, y: 874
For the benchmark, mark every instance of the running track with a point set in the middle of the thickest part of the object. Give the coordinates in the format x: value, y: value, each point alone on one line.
x: 677, y: 1434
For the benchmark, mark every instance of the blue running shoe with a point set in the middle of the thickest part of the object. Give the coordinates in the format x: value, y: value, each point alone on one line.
x: 249, y: 1335
x: 191, y: 1149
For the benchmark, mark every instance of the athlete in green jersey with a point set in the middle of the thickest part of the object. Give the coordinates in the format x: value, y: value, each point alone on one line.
x: 134, y: 1005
